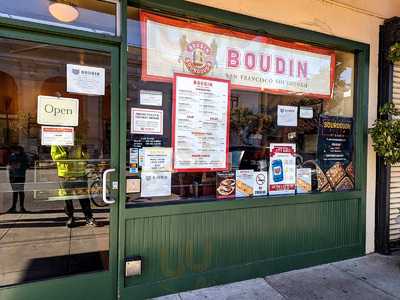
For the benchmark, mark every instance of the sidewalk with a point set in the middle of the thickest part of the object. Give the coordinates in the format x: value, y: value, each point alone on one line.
x: 370, y: 277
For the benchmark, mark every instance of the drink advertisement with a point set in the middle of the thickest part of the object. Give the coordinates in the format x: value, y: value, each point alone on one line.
x: 282, y: 166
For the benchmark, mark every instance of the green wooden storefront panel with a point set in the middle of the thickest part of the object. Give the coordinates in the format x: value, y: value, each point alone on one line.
x: 192, y: 250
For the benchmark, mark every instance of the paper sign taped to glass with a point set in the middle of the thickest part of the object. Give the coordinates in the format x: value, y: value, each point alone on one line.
x: 155, y: 184
x: 157, y: 159
x: 248, y: 61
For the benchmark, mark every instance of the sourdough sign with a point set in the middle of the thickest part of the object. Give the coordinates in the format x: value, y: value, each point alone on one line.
x: 248, y: 61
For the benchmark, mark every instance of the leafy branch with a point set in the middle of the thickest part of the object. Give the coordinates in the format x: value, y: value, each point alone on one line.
x: 385, y: 134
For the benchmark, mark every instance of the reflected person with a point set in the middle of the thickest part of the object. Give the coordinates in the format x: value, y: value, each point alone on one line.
x: 18, y: 163
x: 71, y: 170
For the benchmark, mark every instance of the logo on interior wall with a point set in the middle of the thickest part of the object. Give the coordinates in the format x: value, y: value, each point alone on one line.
x: 197, y: 57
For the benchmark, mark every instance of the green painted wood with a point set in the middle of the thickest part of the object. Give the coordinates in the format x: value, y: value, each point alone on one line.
x: 182, y: 245
x: 83, y: 287
x: 238, y: 273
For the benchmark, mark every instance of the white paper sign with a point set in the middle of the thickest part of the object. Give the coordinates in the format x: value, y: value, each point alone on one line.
x: 146, y: 121
x: 287, y: 115
x: 61, y: 136
x: 85, y: 80
x: 151, y: 98
x: 157, y: 159
x: 156, y: 184
x: 260, y: 183
x: 306, y: 112
x: 57, y: 111
x: 200, y: 124
x: 249, y: 61
x: 282, y: 169
x: 244, y: 183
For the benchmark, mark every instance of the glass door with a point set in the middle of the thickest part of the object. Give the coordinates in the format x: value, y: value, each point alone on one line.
x: 58, y: 141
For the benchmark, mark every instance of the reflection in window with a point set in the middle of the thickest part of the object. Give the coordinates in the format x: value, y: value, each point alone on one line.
x: 50, y: 201
x: 88, y: 15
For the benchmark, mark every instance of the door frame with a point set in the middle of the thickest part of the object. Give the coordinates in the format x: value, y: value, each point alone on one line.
x: 93, y: 285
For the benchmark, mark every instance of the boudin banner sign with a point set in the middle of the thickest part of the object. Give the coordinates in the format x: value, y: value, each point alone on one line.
x: 57, y: 111
x: 250, y: 62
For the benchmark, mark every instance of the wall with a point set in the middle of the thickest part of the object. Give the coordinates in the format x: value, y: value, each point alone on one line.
x: 357, y: 20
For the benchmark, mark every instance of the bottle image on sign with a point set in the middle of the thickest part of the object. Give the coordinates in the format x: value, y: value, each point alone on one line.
x: 277, y: 170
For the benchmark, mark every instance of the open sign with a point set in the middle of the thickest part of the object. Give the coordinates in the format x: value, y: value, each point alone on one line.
x: 57, y: 111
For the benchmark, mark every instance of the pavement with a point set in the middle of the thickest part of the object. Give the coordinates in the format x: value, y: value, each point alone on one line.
x: 37, y: 244
x: 372, y: 277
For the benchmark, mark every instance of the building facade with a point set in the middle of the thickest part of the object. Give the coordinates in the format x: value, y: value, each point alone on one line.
x: 150, y: 147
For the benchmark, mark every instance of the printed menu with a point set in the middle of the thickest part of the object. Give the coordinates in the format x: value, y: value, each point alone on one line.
x: 200, y: 123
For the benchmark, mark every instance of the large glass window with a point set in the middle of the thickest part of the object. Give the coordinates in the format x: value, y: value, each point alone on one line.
x: 88, y: 15
x: 319, y: 128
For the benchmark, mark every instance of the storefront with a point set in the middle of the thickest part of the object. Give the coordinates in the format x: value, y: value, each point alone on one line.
x: 149, y: 147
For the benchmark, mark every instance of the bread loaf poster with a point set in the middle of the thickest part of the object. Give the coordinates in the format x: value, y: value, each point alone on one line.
x: 244, y: 183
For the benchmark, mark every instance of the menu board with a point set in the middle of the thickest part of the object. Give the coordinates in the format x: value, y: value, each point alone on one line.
x: 282, y: 166
x: 200, y: 126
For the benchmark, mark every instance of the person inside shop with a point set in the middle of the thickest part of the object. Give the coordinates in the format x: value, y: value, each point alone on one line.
x: 18, y: 163
x: 71, y: 170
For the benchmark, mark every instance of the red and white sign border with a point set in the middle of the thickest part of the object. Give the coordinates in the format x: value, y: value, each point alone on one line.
x: 146, y: 16
x: 226, y: 168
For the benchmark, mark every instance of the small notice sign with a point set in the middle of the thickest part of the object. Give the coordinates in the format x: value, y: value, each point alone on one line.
x: 133, y: 185
x: 133, y: 160
x: 60, y: 136
x: 153, y: 98
x: 260, y: 183
x: 306, y: 112
x: 157, y: 159
x: 287, y: 115
x: 156, y: 184
x: 146, y: 121
x: 85, y: 80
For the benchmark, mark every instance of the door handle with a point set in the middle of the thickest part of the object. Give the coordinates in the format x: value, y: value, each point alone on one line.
x: 105, y: 186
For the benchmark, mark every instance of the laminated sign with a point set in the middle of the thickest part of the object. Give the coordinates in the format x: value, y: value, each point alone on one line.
x: 282, y: 166
x: 248, y: 61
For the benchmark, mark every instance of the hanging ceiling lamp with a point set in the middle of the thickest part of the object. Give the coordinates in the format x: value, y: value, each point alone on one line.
x: 64, y: 11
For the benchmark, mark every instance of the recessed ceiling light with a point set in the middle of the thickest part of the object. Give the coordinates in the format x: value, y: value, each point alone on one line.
x: 63, y: 11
